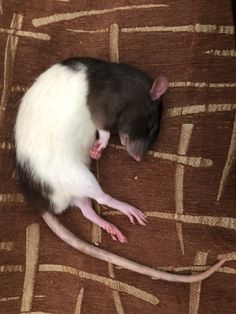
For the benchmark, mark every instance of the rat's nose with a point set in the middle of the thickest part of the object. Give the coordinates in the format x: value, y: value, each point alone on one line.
x: 136, y: 157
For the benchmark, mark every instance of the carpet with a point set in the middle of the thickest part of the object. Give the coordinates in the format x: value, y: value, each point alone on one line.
x: 185, y: 185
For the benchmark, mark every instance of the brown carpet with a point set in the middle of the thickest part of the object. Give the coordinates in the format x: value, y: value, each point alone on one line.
x: 186, y: 184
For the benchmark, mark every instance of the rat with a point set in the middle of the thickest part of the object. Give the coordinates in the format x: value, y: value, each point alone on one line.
x: 55, y: 137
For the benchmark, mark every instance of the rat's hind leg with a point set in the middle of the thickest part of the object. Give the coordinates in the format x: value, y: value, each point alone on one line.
x: 85, y: 205
x: 100, y: 144
x: 90, y: 188
x: 132, y: 212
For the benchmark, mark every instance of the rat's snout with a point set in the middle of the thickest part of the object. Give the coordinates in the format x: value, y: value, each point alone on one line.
x: 136, y: 157
x: 135, y: 148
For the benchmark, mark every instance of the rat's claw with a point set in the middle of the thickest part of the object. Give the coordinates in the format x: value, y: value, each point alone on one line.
x: 122, y: 238
x: 141, y: 220
x: 113, y: 237
x: 133, y: 212
x: 131, y: 218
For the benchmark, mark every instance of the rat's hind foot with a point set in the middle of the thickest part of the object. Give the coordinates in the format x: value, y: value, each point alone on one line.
x: 115, y: 233
x: 131, y: 211
x: 88, y: 212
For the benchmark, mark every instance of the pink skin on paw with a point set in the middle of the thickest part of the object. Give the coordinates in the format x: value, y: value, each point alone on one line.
x: 95, y: 155
x: 100, y: 144
x: 96, y: 151
x: 115, y: 233
x: 89, y: 213
x: 136, y: 157
x: 132, y: 212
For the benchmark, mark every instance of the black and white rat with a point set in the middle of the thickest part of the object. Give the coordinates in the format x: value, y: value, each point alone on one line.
x: 55, y: 136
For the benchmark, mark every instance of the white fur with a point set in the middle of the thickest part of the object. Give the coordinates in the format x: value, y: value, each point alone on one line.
x: 55, y: 133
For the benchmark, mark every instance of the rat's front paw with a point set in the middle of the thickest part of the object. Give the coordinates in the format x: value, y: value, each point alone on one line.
x: 96, y: 151
x: 95, y: 154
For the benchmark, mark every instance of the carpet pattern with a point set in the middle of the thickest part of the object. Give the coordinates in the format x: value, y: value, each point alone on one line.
x: 185, y: 185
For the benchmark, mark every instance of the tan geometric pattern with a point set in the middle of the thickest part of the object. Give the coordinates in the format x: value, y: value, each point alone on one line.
x: 10, y: 52
x: 229, y: 162
x: 185, y: 185
x: 37, y: 22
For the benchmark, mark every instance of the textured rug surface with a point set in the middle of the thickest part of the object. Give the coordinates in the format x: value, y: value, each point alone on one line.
x: 185, y: 185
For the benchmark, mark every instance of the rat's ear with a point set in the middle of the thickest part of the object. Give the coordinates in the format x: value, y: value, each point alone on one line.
x: 159, y: 87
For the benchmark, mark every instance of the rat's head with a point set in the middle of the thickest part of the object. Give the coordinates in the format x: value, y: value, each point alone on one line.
x: 139, y: 123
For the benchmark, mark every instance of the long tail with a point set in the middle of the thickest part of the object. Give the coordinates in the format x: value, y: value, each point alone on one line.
x: 84, y: 247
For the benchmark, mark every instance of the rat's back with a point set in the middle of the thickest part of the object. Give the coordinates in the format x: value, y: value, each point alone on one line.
x: 54, y: 130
